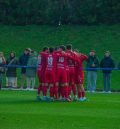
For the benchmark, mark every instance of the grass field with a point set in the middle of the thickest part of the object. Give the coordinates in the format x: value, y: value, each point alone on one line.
x: 19, y: 110
x: 84, y: 38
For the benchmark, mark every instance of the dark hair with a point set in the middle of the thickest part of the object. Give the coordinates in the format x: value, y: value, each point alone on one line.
x: 56, y: 48
x: 93, y: 51
x: 32, y: 51
x: 45, y: 48
x: 63, y: 47
x: 51, y: 49
x: 28, y: 49
x: 107, y: 52
x: 13, y: 53
x: 69, y: 47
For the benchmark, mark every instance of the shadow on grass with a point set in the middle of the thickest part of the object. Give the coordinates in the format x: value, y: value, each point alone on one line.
x: 11, y: 102
x: 29, y: 101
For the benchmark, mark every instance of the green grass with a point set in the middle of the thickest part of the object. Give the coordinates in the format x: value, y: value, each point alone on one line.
x: 19, y: 110
x: 84, y: 38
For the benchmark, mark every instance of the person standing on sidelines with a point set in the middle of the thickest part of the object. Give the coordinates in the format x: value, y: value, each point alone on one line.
x: 23, y: 60
x: 119, y: 65
x: 2, y: 69
x: 92, y: 63
x: 11, y: 72
x: 108, y: 63
x: 31, y: 70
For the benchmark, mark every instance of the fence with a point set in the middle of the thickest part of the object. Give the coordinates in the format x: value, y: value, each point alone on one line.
x: 115, y: 81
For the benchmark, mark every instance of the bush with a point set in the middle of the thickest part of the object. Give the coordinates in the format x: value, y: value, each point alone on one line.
x: 22, y: 12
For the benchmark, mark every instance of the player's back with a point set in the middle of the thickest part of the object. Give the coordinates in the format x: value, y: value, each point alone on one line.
x: 70, y: 61
x: 41, y: 61
x: 50, y: 61
x: 61, y: 59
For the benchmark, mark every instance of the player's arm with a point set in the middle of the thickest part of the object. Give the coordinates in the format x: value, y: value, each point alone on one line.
x: 71, y: 57
x: 83, y: 57
x: 55, y: 61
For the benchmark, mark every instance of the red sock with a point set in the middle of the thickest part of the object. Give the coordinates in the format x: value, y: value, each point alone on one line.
x: 56, y: 92
x: 74, y: 89
x: 66, y: 91
x: 69, y: 90
x: 79, y: 94
x: 51, y: 91
x: 44, y: 90
x: 62, y: 91
x: 39, y: 89
x: 83, y: 94
x: 59, y: 91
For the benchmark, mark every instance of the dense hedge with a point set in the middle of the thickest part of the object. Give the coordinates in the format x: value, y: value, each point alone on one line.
x: 22, y: 12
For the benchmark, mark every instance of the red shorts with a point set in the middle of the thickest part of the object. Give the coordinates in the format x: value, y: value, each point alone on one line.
x: 67, y: 70
x: 41, y: 76
x: 71, y: 75
x: 50, y: 76
x: 61, y: 75
x: 79, y: 78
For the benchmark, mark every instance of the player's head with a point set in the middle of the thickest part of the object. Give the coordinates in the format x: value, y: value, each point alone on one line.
x: 69, y: 47
x: 56, y: 48
x: 45, y: 49
x: 51, y: 49
x: 62, y: 48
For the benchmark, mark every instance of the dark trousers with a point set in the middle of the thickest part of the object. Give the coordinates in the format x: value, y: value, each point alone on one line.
x: 107, y: 83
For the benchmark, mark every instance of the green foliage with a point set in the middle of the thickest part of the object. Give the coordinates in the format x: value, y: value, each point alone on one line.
x: 22, y: 12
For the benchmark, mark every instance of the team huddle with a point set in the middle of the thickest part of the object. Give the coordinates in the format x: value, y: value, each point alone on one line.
x: 60, y: 72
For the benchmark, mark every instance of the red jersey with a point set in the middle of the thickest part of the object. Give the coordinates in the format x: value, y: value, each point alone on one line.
x: 79, y: 68
x: 71, y: 66
x: 41, y: 61
x: 61, y: 66
x: 61, y: 59
x: 41, y: 67
x: 71, y: 61
x: 50, y: 68
x: 50, y: 61
x: 82, y: 58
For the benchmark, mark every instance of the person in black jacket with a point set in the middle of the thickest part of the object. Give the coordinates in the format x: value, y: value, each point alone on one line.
x: 119, y: 66
x: 23, y: 60
x: 92, y: 64
x: 108, y: 63
x: 11, y: 72
x: 2, y: 69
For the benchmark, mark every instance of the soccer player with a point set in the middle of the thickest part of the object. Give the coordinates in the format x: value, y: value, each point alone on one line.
x: 41, y: 72
x: 80, y: 76
x: 61, y: 76
x: 71, y: 72
x: 50, y: 71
